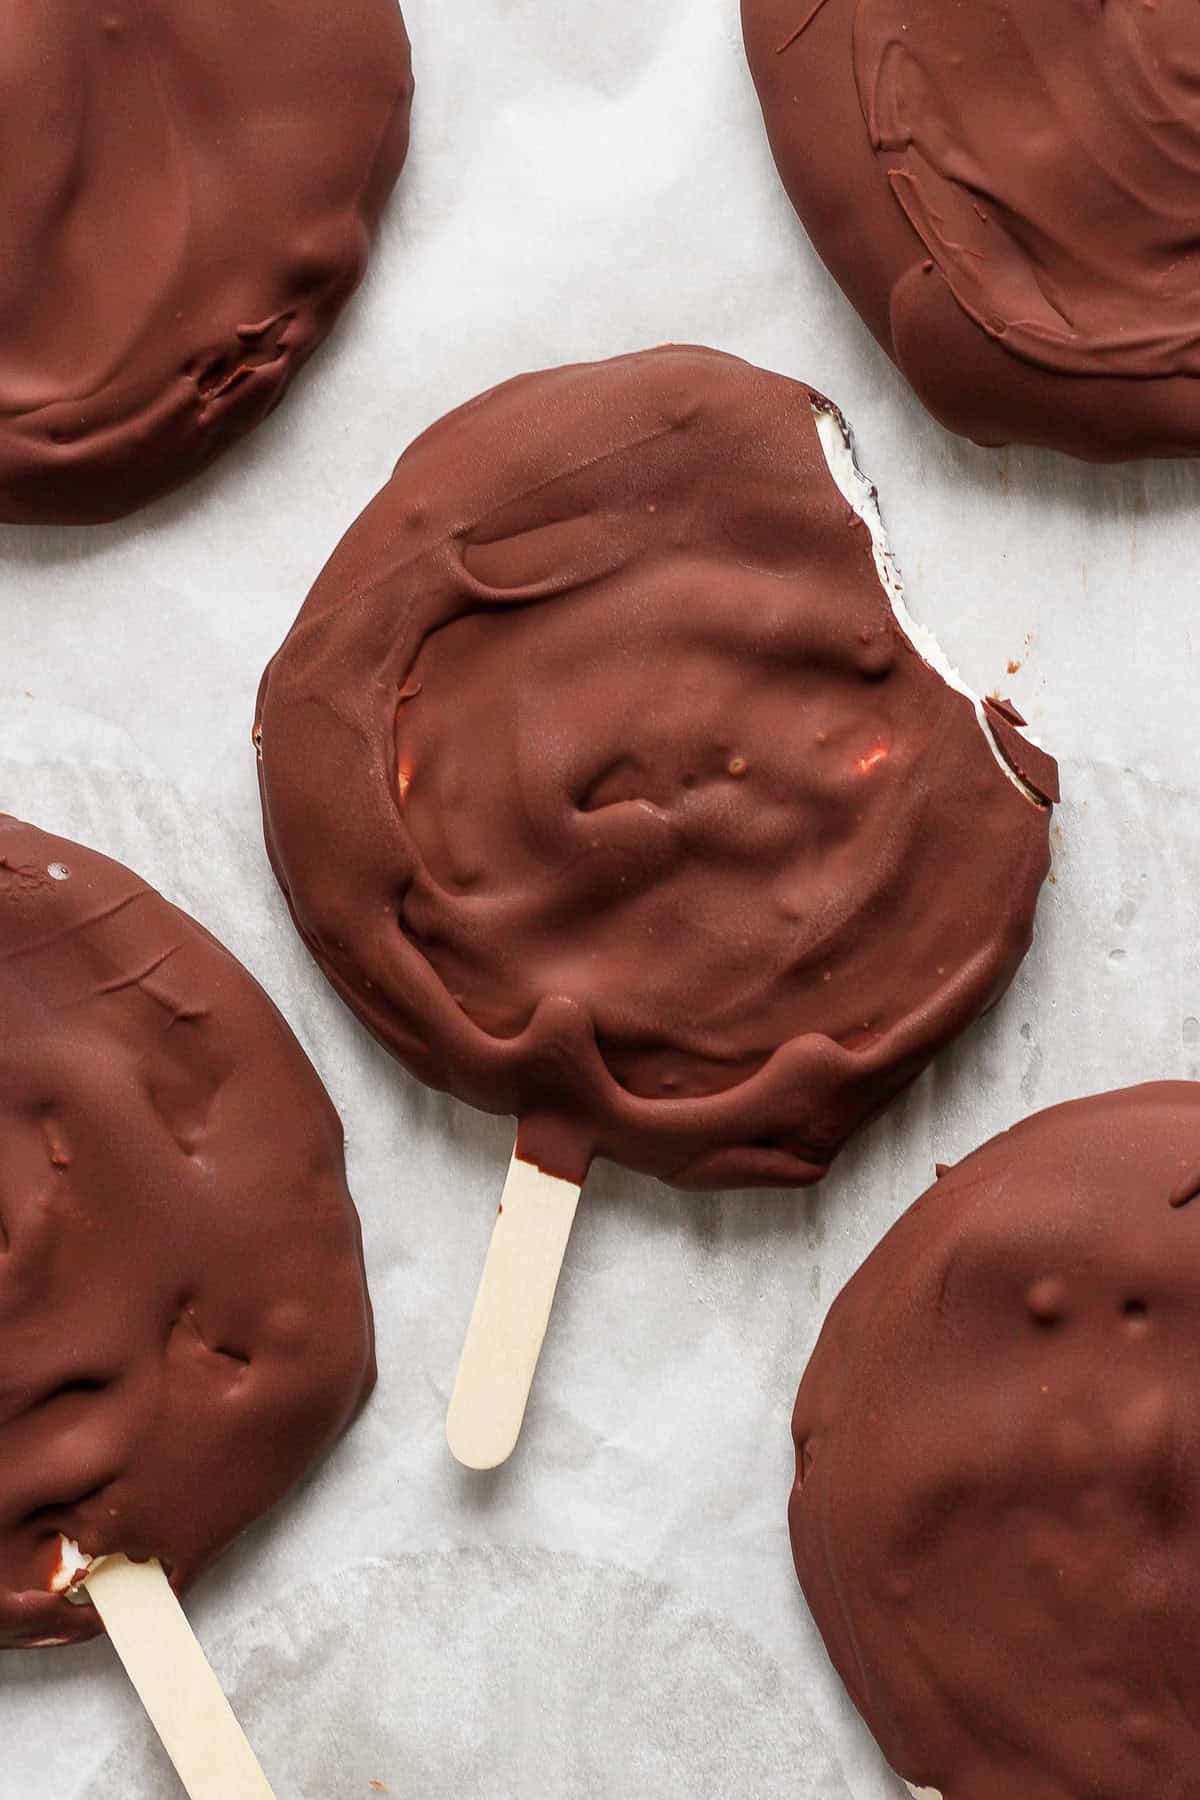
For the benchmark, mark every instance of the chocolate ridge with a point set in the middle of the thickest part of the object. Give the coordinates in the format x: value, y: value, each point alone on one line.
x: 615, y: 490
x: 1006, y: 194
x: 190, y: 212
x: 1035, y: 768
x: 184, y: 1322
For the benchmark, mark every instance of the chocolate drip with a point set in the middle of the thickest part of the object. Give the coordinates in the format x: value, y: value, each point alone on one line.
x: 605, y: 787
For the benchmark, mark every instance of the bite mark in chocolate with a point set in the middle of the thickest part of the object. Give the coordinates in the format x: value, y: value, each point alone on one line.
x: 606, y: 787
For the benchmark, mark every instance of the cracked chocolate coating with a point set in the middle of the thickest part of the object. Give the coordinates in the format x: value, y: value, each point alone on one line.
x: 187, y: 194
x: 996, y: 1518
x: 1008, y: 194
x: 184, y: 1321
x: 605, y: 788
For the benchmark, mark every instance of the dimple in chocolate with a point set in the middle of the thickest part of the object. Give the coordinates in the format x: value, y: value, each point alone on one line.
x: 189, y: 211
x: 607, y: 789
x: 184, y: 1323
x: 996, y: 1516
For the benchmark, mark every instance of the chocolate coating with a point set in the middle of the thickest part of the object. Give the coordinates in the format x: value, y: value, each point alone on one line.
x: 184, y: 1321
x: 996, y: 1518
x: 187, y: 196
x: 1007, y: 191
x: 605, y: 788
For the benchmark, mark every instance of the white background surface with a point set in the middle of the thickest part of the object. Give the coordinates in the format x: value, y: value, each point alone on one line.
x: 614, y: 1613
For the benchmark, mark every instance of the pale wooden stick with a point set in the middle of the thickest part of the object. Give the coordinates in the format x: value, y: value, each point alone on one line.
x: 512, y: 1311
x: 174, y: 1682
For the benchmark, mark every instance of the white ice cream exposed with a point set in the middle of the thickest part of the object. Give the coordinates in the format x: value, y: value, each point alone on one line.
x: 838, y: 446
x: 72, y: 1563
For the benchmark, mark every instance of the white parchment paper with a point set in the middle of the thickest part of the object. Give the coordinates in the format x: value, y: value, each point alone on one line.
x: 614, y: 1613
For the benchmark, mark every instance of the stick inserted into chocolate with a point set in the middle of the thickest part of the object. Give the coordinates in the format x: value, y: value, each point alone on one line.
x: 611, y: 784
x: 183, y: 1698
x: 184, y: 1321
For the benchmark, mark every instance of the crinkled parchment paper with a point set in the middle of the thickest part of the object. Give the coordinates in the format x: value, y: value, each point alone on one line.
x: 614, y: 1613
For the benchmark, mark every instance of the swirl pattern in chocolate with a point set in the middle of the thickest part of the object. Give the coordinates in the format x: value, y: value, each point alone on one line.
x: 1010, y: 197
x: 996, y: 1516
x: 187, y: 195
x: 184, y: 1321
x: 607, y: 790
x: 1089, y: 264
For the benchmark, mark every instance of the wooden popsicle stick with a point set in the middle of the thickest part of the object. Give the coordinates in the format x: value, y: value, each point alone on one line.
x: 512, y: 1311
x: 174, y: 1682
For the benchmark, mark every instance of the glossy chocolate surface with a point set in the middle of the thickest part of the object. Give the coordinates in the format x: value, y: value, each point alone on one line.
x: 184, y: 1322
x: 605, y: 787
x: 187, y: 193
x: 1008, y: 194
x: 996, y: 1519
